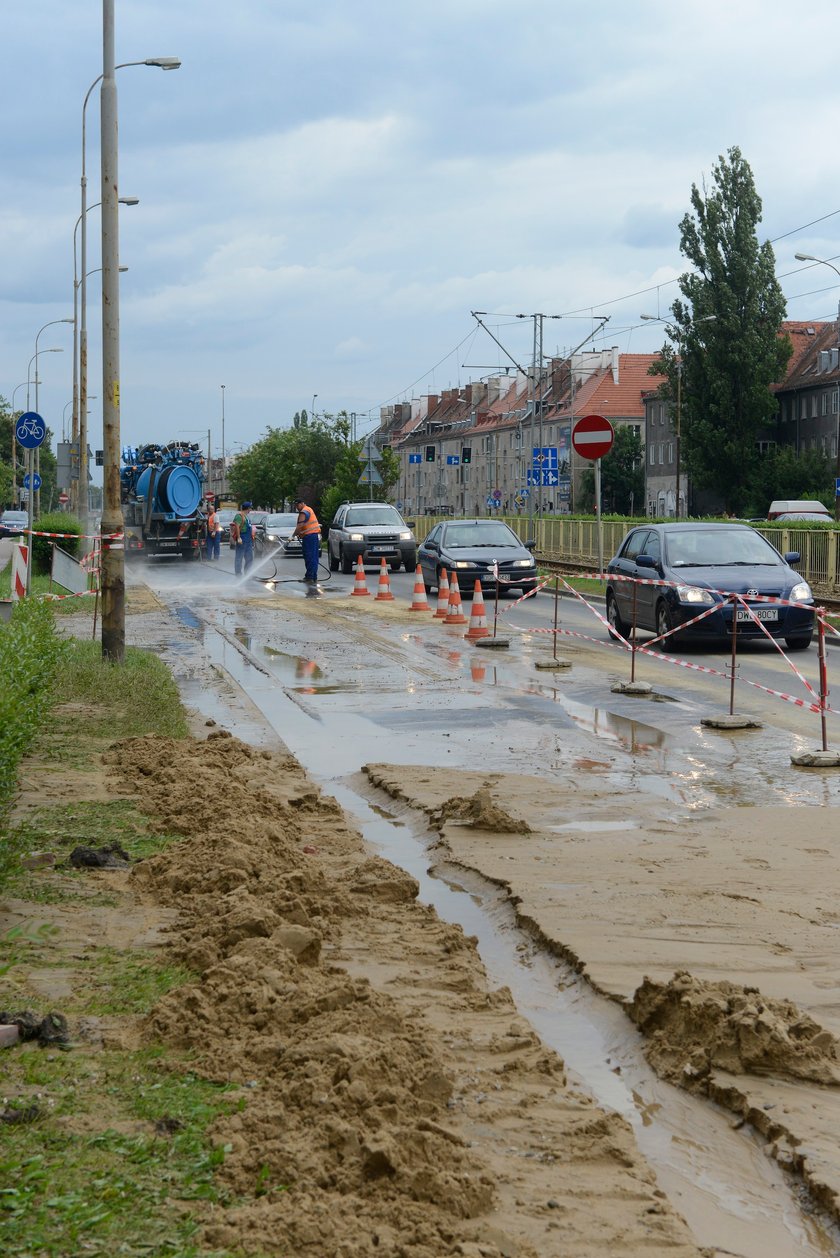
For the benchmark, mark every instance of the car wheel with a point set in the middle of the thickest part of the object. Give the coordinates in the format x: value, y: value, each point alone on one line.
x: 799, y: 643
x: 346, y: 563
x: 665, y: 622
x: 617, y: 625
x: 410, y: 561
x: 333, y: 562
x: 394, y: 565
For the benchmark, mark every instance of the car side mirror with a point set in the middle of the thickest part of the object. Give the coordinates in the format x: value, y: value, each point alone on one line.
x: 431, y: 546
x: 530, y: 544
x: 792, y: 556
x: 646, y: 561
x: 412, y: 524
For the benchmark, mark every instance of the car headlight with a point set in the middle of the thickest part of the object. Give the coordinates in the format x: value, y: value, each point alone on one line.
x: 357, y: 537
x: 405, y: 537
x: 460, y: 563
x: 801, y: 593
x: 272, y: 537
x: 523, y: 563
x: 694, y: 594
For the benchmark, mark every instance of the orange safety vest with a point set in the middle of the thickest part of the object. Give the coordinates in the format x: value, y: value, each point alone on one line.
x: 311, y: 525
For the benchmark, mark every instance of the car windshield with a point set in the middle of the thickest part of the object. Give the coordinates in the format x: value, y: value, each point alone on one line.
x: 478, y: 534
x: 226, y: 515
x: 14, y: 517
x: 374, y: 515
x: 705, y: 548
x: 285, y: 520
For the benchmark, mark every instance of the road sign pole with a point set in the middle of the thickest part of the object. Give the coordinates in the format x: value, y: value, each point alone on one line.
x: 30, y: 500
x: 598, y: 516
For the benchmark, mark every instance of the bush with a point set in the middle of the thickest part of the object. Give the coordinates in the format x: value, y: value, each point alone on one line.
x: 29, y: 655
x: 57, y: 522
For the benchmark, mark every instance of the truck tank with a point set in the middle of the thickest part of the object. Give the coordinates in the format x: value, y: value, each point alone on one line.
x: 161, y: 492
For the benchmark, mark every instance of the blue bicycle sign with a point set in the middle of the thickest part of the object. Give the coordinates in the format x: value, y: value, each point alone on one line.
x: 32, y: 482
x: 30, y: 430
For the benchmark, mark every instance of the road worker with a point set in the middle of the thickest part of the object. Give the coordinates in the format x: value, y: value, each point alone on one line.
x: 242, y: 534
x: 309, y: 531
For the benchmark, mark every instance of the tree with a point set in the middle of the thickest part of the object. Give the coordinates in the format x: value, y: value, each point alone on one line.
x: 291, y: 461
x: 782, y: 473
x: 728, y: 328
x: 622, y: 476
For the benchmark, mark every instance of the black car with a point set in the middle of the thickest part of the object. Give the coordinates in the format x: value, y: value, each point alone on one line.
x: 702, y: 564
x: 477, y: 550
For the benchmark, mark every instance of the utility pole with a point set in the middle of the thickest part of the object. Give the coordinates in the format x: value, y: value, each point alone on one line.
x: 113, y: 524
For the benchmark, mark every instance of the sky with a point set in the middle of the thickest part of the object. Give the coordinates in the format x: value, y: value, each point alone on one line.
x: 327, y: 191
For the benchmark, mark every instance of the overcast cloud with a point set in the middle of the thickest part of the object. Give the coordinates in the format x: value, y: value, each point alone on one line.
x: 327, y: 191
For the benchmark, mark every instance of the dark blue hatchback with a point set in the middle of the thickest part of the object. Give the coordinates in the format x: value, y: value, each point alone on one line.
x: 702, y: 564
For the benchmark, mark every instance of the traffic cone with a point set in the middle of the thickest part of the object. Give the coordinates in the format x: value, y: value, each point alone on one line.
x: 455, y: 615
x: 419, y: 603
x: 478, y: 616
x: 359, y: 585
x: 384, y: 594
x: 443, y: 596
x: 477, y: 670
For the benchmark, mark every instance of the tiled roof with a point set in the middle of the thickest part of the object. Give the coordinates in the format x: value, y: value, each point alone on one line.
x: 601, y: 395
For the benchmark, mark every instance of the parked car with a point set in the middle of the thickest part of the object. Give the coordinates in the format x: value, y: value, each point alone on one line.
x: 279, y: 527
x: 13, y: 523
x: 806, y: 509
x: 474, y: 550
x: 374, y: 530
x: 704, y: 563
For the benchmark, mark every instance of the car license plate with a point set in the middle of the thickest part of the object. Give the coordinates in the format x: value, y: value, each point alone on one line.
x: 379, y: 550
x: 760, y: 613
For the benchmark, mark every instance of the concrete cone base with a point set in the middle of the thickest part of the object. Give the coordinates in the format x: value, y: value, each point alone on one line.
x: 550, y: 665
x: 731, y: 720
x: 492, y: 643
x: 632, y: 688
x: 817, y: 760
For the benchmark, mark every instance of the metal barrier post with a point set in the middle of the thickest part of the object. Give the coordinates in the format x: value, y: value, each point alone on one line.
x: 733, y: 664
x: 633, y: 637
x: 823, y: 675
x: 556, y: 605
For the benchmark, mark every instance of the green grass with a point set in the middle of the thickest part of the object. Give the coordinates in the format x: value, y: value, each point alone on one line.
x: 114, y: 1189
x: 132, y: 983
x: 40, y: 584
x: 136, y: 697
x: 56, y: 827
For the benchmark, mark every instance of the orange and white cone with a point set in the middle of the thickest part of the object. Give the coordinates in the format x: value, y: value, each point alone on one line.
x: 477, y: 670
x: 455, y: 615
x: 383, y: 594
x: 443, y: 596
x: 359, y: 585
x: 478, y: 616
x: 419, y: 602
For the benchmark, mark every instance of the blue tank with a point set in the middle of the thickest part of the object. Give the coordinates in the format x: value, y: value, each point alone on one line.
x: 177, y: 489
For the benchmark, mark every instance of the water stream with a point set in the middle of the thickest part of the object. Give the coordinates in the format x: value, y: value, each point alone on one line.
x: 733, y: 1196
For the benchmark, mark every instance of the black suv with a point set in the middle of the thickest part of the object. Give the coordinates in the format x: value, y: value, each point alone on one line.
x: 374, y: 530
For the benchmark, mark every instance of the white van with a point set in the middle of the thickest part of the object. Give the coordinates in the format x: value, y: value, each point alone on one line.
x: 799, y: 509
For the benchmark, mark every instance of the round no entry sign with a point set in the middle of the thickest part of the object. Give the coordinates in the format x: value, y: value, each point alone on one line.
x: 592, y: 437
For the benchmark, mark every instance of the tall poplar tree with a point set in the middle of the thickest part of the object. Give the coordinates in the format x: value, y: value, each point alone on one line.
x: 729, y: 332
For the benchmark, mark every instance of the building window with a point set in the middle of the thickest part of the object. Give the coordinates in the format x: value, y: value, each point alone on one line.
x: 651, y: 454
x: 803, y: 408
x: 825, y: 397
x: 813, y: 406
x: 834, y: 401
x: 670, y: 451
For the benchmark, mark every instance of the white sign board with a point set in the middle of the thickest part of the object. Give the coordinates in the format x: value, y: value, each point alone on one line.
x: 68, y: 572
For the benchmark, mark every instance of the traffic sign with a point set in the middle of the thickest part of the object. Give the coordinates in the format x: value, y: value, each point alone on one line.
x: 497, y: 494
x: 592, y: 437
x: 415, y: 458
x: 32, y: 481
x: 544, y: 456
x: 454, y: 459
x: 30, y: 430
x: 63, y: 499
x: 492, y: 502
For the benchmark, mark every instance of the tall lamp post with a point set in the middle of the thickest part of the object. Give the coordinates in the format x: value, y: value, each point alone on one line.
x: 677, y: 334
x: 36, y: 462
x: 113, y: 551
x: 79, y: 429
x: 809, y: 257
x: 164, y: 63
x: 224, y: 464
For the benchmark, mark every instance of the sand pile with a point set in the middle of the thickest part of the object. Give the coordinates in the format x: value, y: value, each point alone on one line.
x: 694, y: 1027
x: 481, y: 813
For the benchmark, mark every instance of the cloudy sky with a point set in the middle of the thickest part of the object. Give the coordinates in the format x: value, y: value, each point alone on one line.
x: 328, y: 190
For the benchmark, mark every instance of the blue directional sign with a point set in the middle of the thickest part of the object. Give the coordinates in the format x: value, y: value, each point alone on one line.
x: 453, y: 458
x: 837, y: 487
x: 415, y: 458
x: 30, y: 430
x: 544, y: 457
x: 32, y: 481
x: 492, y: 502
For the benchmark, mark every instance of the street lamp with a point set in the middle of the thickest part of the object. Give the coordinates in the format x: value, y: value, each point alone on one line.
x: 224, y: 464
x: 113, y: 563
x: 809, y: 257
x: 677, y: 334
x: 314, y: 395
